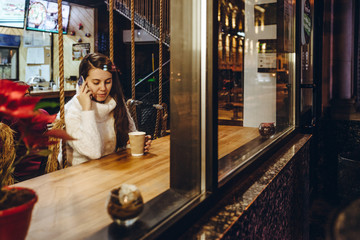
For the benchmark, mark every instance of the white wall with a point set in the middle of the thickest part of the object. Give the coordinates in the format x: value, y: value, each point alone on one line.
x: 85, y: 16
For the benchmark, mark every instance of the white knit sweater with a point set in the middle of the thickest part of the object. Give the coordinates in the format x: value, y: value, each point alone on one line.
x: 93, y: 130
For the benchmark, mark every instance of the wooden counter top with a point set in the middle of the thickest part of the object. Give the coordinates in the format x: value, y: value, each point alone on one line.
x: 72, y: 201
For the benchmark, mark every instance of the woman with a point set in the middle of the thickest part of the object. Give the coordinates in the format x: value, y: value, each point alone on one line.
x: 97, y: 116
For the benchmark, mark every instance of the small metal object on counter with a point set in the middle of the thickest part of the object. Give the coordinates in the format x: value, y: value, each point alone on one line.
x: 51, y: 84
x: 267, y: 130
x: 158, y: 106
x: 38, y: 83
x: 125, y: 204
x: 132, y: 102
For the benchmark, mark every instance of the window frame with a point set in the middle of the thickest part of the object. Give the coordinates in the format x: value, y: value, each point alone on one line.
x: 173, y: 223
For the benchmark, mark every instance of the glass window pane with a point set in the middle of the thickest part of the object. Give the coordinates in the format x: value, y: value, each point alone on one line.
x: 185, y: 69
x: 256, y: 53
x: 306, y: 99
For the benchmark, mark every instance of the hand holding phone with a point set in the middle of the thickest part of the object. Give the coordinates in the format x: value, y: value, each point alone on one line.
x: 84, y: 97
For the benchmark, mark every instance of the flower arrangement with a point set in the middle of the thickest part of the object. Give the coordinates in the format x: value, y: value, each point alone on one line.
x: 19, y: 116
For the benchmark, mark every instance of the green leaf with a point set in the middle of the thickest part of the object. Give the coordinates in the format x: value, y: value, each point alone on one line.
x: 46, y: 105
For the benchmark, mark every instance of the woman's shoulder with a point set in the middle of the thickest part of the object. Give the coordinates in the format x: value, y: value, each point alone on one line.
x: 73, y: 103
x: 72, y: 107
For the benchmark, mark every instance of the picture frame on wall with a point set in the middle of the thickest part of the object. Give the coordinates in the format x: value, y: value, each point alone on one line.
x: 80, y: 50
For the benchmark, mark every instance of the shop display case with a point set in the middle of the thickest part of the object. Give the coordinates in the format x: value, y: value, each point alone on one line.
x: 9, y: 67
x: 9, y: 56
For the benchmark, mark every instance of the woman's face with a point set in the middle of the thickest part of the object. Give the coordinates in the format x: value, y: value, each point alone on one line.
x: 100, y: 83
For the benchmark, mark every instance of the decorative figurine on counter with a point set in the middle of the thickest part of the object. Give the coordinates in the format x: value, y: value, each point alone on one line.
x: 80, y: 26
x: 267, y: 130
x: 125, y: 204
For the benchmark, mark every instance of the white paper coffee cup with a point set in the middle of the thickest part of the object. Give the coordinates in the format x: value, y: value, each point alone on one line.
x: 137, y: 143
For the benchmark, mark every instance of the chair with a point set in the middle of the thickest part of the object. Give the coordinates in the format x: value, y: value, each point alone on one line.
x: 53, y: 163
x: 7, y: 153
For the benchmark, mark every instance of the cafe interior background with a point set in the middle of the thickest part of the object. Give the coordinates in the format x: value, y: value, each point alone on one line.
x: 37, y: 53
x: 254, y: 80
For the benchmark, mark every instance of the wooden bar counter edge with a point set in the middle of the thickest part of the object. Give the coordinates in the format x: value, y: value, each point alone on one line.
x: 52, y: 93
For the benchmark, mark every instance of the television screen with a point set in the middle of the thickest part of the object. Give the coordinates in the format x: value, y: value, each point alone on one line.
x: 43, y: 16
x: 12, y: 13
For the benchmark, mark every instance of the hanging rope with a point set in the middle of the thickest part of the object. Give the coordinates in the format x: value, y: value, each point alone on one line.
x: 61, y: 76
x: 133, y: 106
x: 111, y: 29
x: 160, y: 110
x: 160, y: 51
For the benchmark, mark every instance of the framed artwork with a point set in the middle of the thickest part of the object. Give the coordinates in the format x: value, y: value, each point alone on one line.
x: 80, y: 50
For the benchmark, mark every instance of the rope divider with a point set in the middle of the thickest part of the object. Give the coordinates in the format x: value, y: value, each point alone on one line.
x: 160, y: 111
x: 154, y: 8
x: 61, y: 78
x: 133, y: 107
x: 111, y: 30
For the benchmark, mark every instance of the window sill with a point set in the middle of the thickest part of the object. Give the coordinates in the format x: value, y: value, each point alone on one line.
x: 237, y: 200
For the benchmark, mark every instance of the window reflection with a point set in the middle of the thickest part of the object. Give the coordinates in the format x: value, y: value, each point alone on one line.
x: 255, y: 77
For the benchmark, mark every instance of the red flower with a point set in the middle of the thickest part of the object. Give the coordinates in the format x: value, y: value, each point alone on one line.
x: 12, y: 100
x: 33, y: 130
x: 31, y: 124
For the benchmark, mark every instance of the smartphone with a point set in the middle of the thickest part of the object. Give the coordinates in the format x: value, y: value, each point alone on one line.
x: 80, y: 81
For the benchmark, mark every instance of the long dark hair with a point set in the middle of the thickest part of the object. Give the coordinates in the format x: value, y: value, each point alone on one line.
x: 121, y: 125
